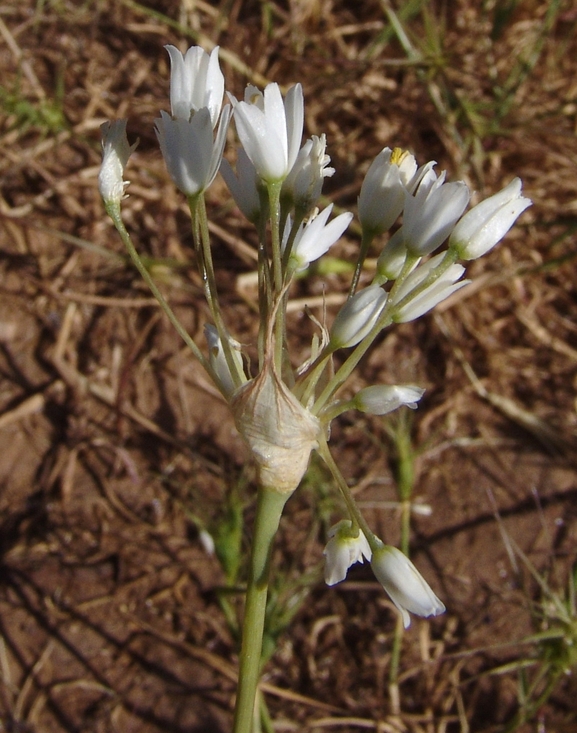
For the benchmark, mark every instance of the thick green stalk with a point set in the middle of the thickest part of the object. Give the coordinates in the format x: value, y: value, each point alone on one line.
x: 269, y: 509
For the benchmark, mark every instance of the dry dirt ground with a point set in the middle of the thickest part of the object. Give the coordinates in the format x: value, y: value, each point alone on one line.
x: 115, y: 450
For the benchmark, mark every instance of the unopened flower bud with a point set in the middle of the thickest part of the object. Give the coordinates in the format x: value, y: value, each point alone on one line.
x: 218, y: 362
x: 405, y: 585
x: 437, y: 291
x: 357, y: 316
x: 488, y: 222
x: 382, y: 399
x: 431, y: 213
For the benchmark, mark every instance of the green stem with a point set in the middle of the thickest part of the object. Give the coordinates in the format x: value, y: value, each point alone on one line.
x: 270, y: 505
x: 201, y: 234
x: 113, y: 211
x: 355, y: 515
x: 274, y: 190
x: 366, y: 240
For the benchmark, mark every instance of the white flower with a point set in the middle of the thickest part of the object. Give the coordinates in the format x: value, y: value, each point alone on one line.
x: 384, y: 189
x: 244, y: 188
x: 270, y: 130
x: 488, y: 222
x: 218, y: 362
x: 304, y: 183
x: 191, y: 155
x: 382, y: 399
x: 431, y: 212
x: 115, y: 154
x: 343, y: 550
x: 357, y: 316
x: 315, y: 237
x: 405, y: 585
x: 438, y: 290
x: 196, y: 81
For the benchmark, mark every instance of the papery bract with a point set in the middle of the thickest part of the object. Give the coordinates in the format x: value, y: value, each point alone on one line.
x: 279, y: 431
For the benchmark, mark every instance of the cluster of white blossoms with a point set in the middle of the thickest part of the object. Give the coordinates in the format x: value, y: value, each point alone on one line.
x: 282, y: 409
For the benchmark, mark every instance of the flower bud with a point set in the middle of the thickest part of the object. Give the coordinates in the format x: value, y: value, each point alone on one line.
x: 218, y: 362
x: 343, y: 550
x: 438, y: 290
x: 381, y: 399
x: 115, y: 154
x: 357, y: 316
x: 406, y: 587
x: 488, y: 222
x: 431, y: 213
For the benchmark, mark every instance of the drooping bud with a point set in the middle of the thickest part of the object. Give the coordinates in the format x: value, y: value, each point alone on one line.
x: 380, y: 399
x: 407, y: 588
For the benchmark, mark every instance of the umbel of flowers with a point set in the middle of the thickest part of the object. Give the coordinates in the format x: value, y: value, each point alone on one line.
x: 283, y: 408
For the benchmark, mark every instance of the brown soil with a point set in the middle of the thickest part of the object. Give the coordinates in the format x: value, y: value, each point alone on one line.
x: 115, y: 449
